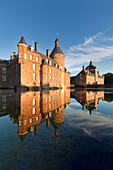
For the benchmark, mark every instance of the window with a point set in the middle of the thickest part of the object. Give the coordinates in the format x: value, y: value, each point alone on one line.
x: 49, y: 106
x: 24, y: 122
x: 3, y: 77
x: 50, y: 62
x: 30, y: 121
x: 36, y: 118
x: 47, y: 60
x: 46, y: 108
x: 50, y: 78
x: 31, y: 57
x: 24, y: 55
x: 49, y: 114
x: 46, y: 76
x: 46, y: 68
x: 53, y: 97
x: 34, y: 76
x: 49, y: 70
x: 4, y: 70
x: 20, y: 55
x: 34, y: 101
x: 53, y: 71
x: 53, y: 105
x: 49, y: 98
x: 56, y: 65
x: 54, y: 79
x: 20, y: 123
x: 46, y: 100
x: 3, y: 106
x: 34, y: 66
x: 34, y: 110
x: 3, y: 98
x: 36, y: 58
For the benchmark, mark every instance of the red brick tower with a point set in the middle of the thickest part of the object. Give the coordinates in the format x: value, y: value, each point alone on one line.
x: 58, y: 55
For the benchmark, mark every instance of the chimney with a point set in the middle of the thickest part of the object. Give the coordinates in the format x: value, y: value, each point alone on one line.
x: 36, y: 130
x: 83, y: 67
x: 36, y: 47
x: 47, y: 123
x: 12, y: 57
x: 83, y: 107
x: 14, y: 54
x: 47, y: 53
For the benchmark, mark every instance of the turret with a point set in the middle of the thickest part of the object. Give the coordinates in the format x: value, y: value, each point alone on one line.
x: 58, y: 55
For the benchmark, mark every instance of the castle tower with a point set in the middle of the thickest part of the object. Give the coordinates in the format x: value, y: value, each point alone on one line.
x: 58, y: 55
x: 22, y: 48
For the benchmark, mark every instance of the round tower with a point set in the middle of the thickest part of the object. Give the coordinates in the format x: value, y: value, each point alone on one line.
x: 58, y: 55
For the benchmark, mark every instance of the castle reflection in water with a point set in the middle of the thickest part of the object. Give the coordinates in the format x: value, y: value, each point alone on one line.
x: 31, y: 109
x: 88, y: 99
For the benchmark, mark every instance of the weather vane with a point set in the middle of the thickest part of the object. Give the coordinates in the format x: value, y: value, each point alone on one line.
x: 57, y: 34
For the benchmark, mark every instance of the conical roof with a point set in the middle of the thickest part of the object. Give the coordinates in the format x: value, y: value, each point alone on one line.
x: 56, y: 48
x: 22, y: 40
x: 22, y: 137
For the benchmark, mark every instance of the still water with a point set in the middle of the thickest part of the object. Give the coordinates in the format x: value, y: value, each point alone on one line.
x: 56, y: 130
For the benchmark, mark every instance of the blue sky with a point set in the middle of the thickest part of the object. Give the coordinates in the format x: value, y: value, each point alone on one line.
x: 85, y: 29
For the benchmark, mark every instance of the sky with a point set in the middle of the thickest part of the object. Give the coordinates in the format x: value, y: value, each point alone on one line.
x: 85, y: 29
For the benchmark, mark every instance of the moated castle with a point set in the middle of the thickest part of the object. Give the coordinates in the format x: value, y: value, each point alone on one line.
x: 31, y: 68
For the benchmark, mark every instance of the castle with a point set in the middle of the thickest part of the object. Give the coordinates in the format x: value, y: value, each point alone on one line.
x: 88, y: 76
x: 31, y: 68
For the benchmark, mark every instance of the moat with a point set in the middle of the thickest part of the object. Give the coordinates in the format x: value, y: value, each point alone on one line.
x: 56, y: 130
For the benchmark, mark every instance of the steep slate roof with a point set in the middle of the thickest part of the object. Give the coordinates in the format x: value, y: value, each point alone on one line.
x: 56, y: 48
x: 83, y: 72
x: 88, y: 70
x: 22, y: 40
x: 4, y: 62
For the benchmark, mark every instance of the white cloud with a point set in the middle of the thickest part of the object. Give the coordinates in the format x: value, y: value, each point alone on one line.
x: 97, y: 126
x: 96, y: 48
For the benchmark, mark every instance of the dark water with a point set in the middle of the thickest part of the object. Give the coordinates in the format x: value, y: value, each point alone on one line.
x: 66, y: 130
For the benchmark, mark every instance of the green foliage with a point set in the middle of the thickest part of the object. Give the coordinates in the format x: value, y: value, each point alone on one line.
x: 108, y: 78
x: 109, y: 97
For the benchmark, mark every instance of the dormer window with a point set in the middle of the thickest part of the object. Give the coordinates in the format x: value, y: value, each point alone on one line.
x: 47, y: 60
x: 50, y: 62
x: 56, y: 65
x: 32, y: 49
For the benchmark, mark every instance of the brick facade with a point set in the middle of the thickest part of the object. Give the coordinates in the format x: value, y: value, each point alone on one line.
x: 31, y: 68
x: 88, y: 76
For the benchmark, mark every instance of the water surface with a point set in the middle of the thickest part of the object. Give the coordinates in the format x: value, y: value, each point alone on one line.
x: 56, y: 130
